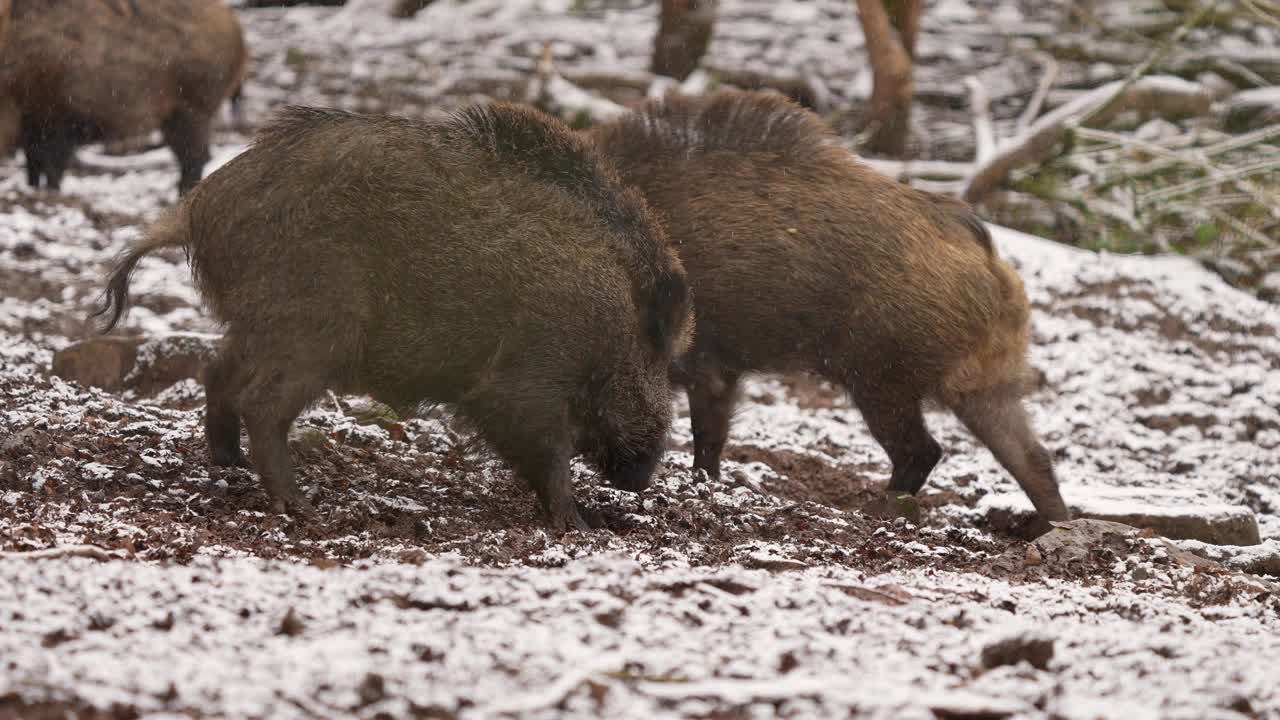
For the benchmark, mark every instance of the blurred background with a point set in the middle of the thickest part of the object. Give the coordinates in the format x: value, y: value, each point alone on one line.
x: 1136, y: 126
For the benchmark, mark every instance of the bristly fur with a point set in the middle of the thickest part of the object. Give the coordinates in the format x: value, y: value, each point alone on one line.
x: 550, y: 152
x: 727, y: 121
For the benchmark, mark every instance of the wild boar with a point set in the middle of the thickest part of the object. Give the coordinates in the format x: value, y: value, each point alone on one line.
x: 802, y: 259
x: 488, y: 261
x: 77, y: 71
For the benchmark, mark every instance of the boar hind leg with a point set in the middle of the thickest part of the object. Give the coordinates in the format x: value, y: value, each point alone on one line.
x: 223, y: 382
x: 187, y: 134
x: 896, y: 421
x: 269, y: 404
x: 1000, y: 422
x: 711, y: 400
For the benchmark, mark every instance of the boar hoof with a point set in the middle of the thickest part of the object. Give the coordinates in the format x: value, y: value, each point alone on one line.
x: 569, y: 518
x: 226, y: 459
x: 294, y: 504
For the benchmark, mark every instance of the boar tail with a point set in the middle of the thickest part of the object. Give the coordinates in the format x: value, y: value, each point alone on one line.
x: 169, y: 231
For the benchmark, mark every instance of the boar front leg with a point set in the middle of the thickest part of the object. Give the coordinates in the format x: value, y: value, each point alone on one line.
x: 712, y: 395
x: 536, y: 443
x: 999, y: 420
x: 549, y: 475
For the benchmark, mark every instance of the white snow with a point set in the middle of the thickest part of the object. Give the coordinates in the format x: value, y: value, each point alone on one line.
x: 1159, y: 376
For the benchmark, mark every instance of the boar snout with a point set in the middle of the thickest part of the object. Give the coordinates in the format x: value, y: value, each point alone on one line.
x: 630, y: 469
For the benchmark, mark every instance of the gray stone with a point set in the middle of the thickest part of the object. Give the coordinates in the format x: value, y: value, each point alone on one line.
x: 101, y: 362
x: 147, y: 365
x: 166, y: 359
x: 1174, y: 514
x: 1263, y: 559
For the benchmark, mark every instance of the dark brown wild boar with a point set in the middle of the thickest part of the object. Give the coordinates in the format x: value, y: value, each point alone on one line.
x: 802, y: 259
x: 76, y: 71
x: 488, y: 261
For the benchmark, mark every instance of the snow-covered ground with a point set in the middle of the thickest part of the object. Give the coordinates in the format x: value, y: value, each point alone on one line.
x: 429, y: 588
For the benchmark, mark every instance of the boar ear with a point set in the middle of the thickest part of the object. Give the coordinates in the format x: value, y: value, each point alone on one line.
x: 668, y: 306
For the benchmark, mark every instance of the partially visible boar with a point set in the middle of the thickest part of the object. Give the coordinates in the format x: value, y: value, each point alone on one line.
x: 488, y: 261
x: 76, y: 71
x: 802, y: 259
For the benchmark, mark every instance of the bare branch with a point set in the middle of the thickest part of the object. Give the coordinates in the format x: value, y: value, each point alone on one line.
x: 1159, y: 94
x: 551, y: 92
x: 1260, y: 196
x: 984, y: 133
x: 1032, y: 110
x: 1191, y: 186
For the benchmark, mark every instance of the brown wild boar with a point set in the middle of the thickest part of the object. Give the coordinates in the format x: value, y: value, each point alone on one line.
x: 802, y: 259
x: 76, y: 71
x: 489, y: 261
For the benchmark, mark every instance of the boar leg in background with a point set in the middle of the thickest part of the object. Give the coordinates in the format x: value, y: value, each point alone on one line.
x: 223, y: 383
x: 711, y: 399
x: 48, y: 147
x: 896, y: 421
x: 187, y: 135
x: 999, y: 420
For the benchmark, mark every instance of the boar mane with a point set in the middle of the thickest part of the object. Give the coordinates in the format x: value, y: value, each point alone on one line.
x: 551, y: 152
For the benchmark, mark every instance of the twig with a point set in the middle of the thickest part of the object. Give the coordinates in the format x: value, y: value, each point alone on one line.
x: 1038, y: 142
x: 1155, y: 166
x: 1167, y: 193
x: 985, y: 136
x: 1239, y: 226
x: 1155, y: 56
x: 93, y: 552
x: 1259, y: 196
x: 1032, y: 110
x: 551, y: 92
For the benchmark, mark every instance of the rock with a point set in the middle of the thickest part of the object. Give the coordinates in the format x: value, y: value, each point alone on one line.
x: 1262, y: 559
x: 307, y: 440
x: 1077, y: 540
x: 894, y: 505
x: 101, y: 362
x: 290, y: 625
x: 367, y: 411
x: 1179, y: 515
x: 771, y: 562
x: 167, y: 359
x: 115, y: 363
x: 1034, y: 649
x: 1250, y: 109
x: 1033, y: 557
